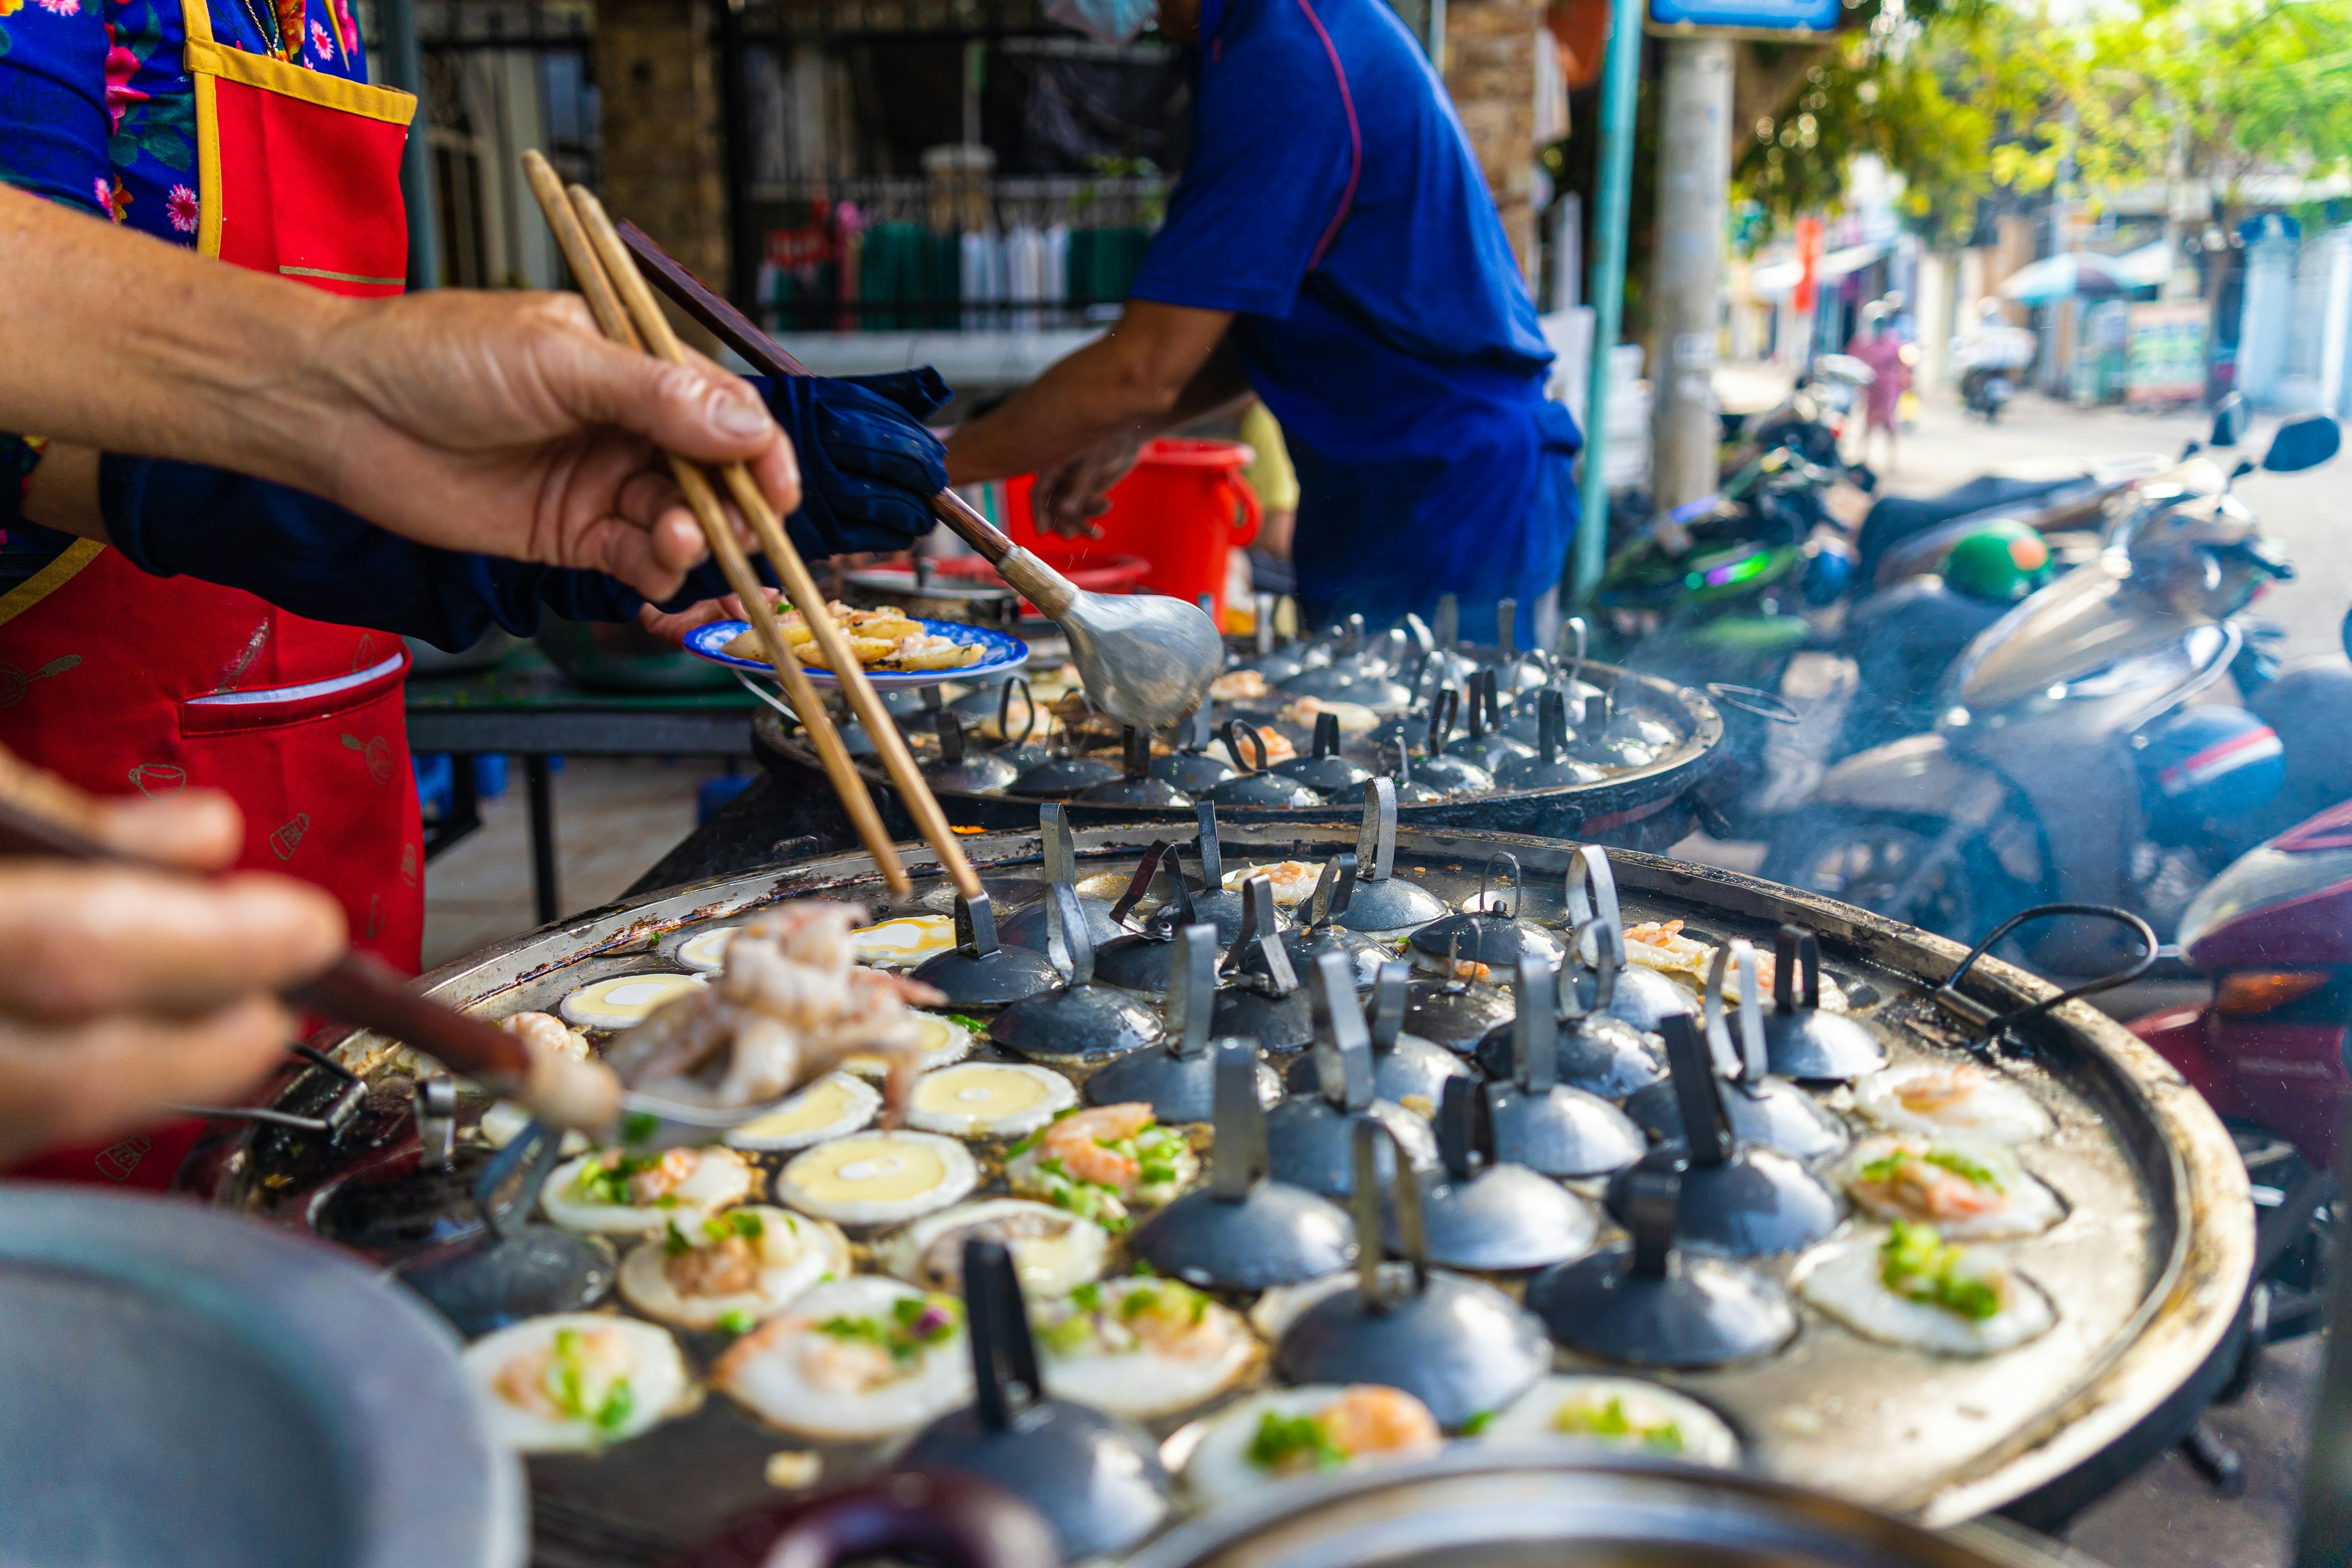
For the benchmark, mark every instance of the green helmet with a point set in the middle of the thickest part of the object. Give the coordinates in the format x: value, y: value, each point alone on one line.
x: 2001, y: 563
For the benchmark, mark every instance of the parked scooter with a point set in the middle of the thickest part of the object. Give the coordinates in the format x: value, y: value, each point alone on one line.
x: 2275, y: 932
x: 2070, y: 758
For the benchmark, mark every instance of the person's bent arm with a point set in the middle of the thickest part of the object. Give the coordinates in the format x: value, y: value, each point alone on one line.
x: 501, y: 422
x: 123, y: 991
x: 1160, y: 367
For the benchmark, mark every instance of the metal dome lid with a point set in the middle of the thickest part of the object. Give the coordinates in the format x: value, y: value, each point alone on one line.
x: 958, y: 767
x: 1493, y: 933
x: 979, y: 971
x: 1027, y: 926
x: 1405, y: 1067
x: 1178, y: 1077
x: 1265, y: 1002
x: 1243, y: 1230
x: 1378, y: 901
x: 1801, y: 1040
x: 1639, y: 997
x: 1770, y: 1112
x: 1309, y: 1136
x: 1540, y: 1122
x: 1459, y: 1345
x: 1598, y: 1054
x: 1483, y: 1214
x: 1082, y: 1022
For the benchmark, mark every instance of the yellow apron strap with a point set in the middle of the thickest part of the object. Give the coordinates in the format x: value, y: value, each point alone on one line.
x: 49, y: 579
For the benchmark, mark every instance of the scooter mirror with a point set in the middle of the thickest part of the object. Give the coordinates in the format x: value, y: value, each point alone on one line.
x: 2302, y: 444
x: 2230, y: 417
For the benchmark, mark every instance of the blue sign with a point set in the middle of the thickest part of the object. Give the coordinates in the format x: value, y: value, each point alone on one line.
x: 1747, y: 15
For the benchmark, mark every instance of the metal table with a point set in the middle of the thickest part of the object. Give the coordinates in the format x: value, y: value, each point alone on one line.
x: 523, y: 706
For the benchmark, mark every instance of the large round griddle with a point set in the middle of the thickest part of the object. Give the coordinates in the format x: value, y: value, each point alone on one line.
x: 1633, y: 806
x: 2148, y: 1270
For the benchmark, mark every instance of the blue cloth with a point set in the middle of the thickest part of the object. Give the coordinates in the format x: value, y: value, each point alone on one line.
x: 868, y: 469
x: 1332, y: 200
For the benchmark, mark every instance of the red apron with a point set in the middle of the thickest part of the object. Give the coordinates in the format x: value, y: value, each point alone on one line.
x: 116, y: 680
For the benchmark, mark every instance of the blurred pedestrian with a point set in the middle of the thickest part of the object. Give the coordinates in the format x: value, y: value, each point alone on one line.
x: 1877, y: 346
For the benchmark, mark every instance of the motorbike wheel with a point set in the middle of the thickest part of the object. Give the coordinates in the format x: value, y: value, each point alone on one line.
x: 1865, y: 857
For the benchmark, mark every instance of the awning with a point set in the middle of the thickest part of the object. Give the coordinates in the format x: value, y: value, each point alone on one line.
x: 1777, y: 277
x: 2062, y: 276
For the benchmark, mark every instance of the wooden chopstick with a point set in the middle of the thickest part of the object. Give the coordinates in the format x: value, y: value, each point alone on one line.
x: 621, y: 269
x: 588, y: 270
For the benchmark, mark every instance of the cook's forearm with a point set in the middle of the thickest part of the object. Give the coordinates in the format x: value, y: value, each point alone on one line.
x: 116, y: 340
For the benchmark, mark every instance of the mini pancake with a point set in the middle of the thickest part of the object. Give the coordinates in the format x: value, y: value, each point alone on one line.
x: 903, y: 942
x: 612, y: 1194
x: 576, y: 1382
x: 1966, y: 1188
x: 1142, y: 1348
x: 942, y: 1041
x: 1053, y: 1252
x: 1294, y: 881
x: 878, y: 1178
x: 1847, y: 1281
x: 735, y: 1268
x: 624, y: 999
x: 852, y: 1360
x: 833, y: 1107
x: 1105, y: 1162
x: 1620, y: 1413
x: 1267, y: 1437
x: 1962, y: 1099
x: 705, y: 951
x: 989, y: 1100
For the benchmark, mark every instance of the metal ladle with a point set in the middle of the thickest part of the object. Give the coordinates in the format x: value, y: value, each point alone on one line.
x: 979, y: 971
x: 1461, y: 1347
x: 1146, y: 659
x: 1405, y: 1067
x: 1308, y: 1135
x: 1485, y: 1214
x: 1762, y: 1109
x: 1540, y: 1122
x: 1642, y: 1302
x: 1264, y: 1002
x: 1800, y: 1041
x: 1735, y: 1198
x: 1597, y: 1053
x: 1379, y: 904
x: 1492, y: 932
x: 1082, y: 1022
x: 1243, y: 1230
x: 1178, y: 1077
x: 1640, y: 996
x: 1097, y: 1479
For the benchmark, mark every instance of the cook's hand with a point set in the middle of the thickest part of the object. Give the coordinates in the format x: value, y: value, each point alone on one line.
x: 1071, y: 495
x: 503, y: 422
x: 674, y: 626
x: 122, y: 991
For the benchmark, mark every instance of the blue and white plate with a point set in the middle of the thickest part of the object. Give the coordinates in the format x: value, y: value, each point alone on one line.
x: 1002, y: 656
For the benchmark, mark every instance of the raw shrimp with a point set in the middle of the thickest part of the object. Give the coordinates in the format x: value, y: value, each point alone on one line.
x: 1077, y: 1140
x: 546, y: 1035
x: 1369, y: 1418
x: 662, y: 1178
x: 730, y: 1268
x: 1931, y: 1091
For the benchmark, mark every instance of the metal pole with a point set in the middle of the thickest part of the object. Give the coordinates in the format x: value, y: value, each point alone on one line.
x: 1621, y: 79
x: 1694, y: 196
x: 404, y: 67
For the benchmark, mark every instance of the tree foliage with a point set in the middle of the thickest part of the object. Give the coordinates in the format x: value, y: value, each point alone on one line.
x: 2022, y: 95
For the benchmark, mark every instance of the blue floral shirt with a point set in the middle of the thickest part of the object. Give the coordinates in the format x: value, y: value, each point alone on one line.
x: 97, y: 108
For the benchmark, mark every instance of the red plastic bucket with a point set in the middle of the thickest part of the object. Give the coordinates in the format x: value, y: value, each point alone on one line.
x: 1182, y: 510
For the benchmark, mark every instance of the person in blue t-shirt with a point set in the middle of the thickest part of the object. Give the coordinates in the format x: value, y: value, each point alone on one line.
x: 1330, y: 246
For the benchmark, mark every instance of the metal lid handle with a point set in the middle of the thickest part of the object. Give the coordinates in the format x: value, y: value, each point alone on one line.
x: 1147, y: 870
x: 1443, y: 709
x: 1327, y: 735
x: 1574, y: 627
x: 1007, y: 1381
x: 1598, y: 937
x: 1191, y: 990
x: 1376, y: 836
x: 1258, y: 931
x: 1651, y: 1199
x: 1748, y: 1063
x: 1264, y: 605
x: 949, y: 723
x: 1058, y: 843
x: 1236, y: 732
x: 1449, y: 621
x: 1238, y: 1160
x: 1519, y: 885
x: 1792, y: 946
x: 1405, y: 1195
x: 1697, y: 1094
x: 1535, y: 1033
x: 1005, y: 711
x: 1552, y: 724
x: 1066, y: 929
x: 1343, y: 1047
x: 1177, y: 910
x: 1389, y: 1004
x: 975, y: 924
x: 1136, y: 752
x: 1464, y: 1131
x: 1213, y: 854
x: 1592, y: 894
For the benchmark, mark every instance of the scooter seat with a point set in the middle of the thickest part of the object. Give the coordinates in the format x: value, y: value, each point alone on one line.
x: 1892, y: 519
